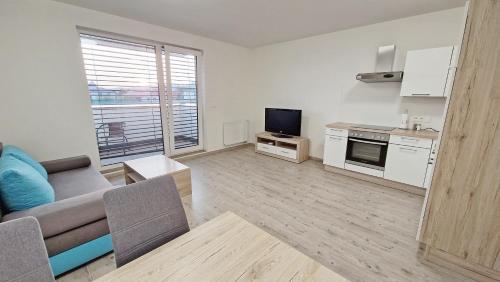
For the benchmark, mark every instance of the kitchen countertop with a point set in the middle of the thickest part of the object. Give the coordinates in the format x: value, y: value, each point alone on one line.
x: 429, y: 134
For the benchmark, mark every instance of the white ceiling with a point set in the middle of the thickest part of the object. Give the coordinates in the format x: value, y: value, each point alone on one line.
x: 255, y: 23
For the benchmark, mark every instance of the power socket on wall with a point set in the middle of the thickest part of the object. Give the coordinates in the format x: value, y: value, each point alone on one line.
x: 425, y: 121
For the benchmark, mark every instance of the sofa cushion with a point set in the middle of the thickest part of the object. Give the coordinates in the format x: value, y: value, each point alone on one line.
x: 18, y: 153
x: 75, y: 237
x: 67, y: 214
x: 78, y: 194
x: 60, y: 165
x: 76, y: 182
x: 21, y: 186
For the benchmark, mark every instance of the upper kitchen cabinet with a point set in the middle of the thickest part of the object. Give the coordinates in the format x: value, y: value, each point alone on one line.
x: 429, y: 72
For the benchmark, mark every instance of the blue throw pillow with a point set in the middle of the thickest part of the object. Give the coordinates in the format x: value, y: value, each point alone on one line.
x: 17, y: 153
x: 21, y: 186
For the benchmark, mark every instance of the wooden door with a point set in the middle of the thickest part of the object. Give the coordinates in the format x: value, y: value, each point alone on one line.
x: 463, y: 215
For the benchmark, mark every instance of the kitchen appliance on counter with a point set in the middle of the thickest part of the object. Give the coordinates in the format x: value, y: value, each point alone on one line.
x: 404, y: 120
x: 367, y: 150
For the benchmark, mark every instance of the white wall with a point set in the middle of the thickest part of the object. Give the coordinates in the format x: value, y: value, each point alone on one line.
x: 44, y: 104
x: 317, y: 74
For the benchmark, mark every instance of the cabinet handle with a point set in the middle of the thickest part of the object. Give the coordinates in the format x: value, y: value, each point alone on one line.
x: 336, y: 130
x: 420, y: 94
x: 335, y: 138
x: 409, y: 139
x: 368, y: 142
x: 408, y: 149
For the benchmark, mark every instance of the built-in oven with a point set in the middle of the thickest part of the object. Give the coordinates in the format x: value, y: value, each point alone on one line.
x: 367, y: 149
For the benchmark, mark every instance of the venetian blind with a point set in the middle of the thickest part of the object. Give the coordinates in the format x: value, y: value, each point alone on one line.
x: 123, y: 88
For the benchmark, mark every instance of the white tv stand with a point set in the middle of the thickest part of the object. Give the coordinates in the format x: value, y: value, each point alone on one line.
x: 294, y: 149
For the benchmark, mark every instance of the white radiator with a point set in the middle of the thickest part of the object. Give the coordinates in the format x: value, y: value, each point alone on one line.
x: 235, y: 132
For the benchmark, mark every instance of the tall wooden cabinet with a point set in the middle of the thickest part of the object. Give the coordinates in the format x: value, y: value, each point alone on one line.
x: 461, y: 228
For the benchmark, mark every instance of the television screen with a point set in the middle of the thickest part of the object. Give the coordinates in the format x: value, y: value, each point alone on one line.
x: 283, y: 121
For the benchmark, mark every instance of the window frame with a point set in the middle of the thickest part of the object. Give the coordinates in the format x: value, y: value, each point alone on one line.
x: 163, y: 88
x: 199, y: 86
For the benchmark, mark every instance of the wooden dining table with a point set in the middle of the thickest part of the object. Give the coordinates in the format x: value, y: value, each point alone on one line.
x: 226, y: 248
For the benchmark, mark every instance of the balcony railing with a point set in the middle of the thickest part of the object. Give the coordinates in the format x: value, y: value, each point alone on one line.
x: 132, y: 131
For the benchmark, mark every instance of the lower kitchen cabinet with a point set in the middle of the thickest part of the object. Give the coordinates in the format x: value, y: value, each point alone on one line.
x: 406, y: 164
x: 335, y: 150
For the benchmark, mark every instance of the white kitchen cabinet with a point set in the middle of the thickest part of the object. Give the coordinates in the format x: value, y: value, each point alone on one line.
x: 428, y: 72
x: 411, y: 141
x: 430, y: 166
x: 335, y: 150
x: 337, y: 132
x: 406, y: 164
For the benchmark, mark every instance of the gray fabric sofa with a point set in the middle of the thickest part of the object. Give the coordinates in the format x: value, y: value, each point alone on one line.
x: 77, y: 216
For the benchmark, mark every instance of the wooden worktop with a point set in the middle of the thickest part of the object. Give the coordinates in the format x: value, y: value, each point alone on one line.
x: 429, y: 134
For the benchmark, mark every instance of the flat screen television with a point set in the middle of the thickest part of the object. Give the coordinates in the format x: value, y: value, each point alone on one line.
x: 283, y: 122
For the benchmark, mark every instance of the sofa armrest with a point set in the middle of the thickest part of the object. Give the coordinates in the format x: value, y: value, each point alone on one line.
x: 61, y: 216
x: 60, y: 165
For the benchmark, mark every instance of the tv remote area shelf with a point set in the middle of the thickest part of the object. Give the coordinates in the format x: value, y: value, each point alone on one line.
x: 294, y: 149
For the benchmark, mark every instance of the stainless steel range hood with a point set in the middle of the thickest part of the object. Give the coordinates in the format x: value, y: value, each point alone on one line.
x: 383, y: 69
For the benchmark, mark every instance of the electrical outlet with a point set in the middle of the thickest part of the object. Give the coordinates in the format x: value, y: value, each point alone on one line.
x: 427, y: 118
x: 417, y: 119
x: 425, y: 121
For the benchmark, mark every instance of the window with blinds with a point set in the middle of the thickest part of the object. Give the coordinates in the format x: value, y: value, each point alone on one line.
x: 184, y: 100
x: 124, y: 90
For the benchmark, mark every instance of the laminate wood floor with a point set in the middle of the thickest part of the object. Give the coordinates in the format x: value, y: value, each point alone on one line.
x: 363, y: 231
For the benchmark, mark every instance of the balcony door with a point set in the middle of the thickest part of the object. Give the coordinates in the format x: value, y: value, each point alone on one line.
x: 181, y: 69
x: 144, y: 97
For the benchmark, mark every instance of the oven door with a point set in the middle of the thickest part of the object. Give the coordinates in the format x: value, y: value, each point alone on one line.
x: 367, y: 153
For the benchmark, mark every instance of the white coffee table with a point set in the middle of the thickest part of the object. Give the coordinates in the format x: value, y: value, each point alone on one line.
x: 149, y: 167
